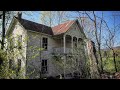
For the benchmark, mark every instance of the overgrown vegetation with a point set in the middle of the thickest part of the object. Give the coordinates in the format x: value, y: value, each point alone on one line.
x: 108, y: 61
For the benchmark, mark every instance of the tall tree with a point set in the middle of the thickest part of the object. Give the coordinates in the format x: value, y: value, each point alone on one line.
x: 3, y: 30
x: 112, y: 37
x: 97, y: 34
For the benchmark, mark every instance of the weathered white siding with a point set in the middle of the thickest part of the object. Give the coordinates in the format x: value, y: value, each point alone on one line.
x: 35, y: 40
x: 19, y: 30
x: 74, y: 31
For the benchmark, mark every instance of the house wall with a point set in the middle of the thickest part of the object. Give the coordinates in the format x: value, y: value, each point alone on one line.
x: 74, y: 31
x: 20, y: 54
x: 35, y: 39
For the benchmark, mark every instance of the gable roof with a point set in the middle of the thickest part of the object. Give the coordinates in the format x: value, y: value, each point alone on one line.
x: 29, y: 25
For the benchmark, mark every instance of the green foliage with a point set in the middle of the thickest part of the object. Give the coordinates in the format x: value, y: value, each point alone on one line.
x: 5, y: 71
x: 108, y: 64
x: 14, y: 52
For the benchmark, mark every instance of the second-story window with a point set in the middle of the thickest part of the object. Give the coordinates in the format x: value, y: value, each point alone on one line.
x: 11, y: 44
x: 45, y: 43
x: 20, y: 42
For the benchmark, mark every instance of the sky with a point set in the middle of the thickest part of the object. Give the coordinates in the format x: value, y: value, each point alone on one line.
x: 107, y: 16
x: 35, y: 16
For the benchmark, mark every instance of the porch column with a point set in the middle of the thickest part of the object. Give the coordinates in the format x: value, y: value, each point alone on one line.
x: 77, y: 54
x: 72, y: 43
x: 77, y: 42
x: 64, y: 42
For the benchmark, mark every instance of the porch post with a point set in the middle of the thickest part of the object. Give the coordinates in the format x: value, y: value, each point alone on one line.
x: 72, y: 43
x: 77, y: 42
x: 64, y: 42
x: 77, y: 55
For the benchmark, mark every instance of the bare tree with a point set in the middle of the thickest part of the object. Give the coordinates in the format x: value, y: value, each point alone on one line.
x: 97, y: 35
x: 52, y: 18
x: 111, y: 39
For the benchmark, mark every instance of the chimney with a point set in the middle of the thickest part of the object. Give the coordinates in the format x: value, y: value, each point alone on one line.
x: 19, y: 15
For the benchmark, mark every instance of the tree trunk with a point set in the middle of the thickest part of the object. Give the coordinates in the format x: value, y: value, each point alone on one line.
x: 3, y: 30
x: 97, y: 39
x: 114, y: 60
x: 94, y: 71
x: 100, y: 56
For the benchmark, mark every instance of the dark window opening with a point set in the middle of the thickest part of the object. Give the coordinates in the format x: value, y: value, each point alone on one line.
x: 76, y: 60
x: 1, y: 61
x: 44, y: 66
x: 19, y: 65
x: 45, y: 43
x: 75, y: 44
x: 11, y: 43
x: 20, y: 42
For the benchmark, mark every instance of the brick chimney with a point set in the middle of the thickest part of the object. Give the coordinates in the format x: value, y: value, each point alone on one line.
x: 19, y: 15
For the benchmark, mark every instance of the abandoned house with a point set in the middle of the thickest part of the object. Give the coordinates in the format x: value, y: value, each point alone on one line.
x: 41, y: 44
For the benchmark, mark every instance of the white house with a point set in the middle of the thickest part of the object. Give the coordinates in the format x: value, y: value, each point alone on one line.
x: 63, y: 40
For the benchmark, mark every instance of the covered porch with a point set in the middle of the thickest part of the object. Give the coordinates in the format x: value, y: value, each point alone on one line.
x: 67, y: 44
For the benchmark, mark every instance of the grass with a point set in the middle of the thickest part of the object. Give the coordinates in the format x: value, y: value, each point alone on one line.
x: 109, y: 64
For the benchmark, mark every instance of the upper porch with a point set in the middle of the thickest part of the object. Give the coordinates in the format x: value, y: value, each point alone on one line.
x: 67, y: 44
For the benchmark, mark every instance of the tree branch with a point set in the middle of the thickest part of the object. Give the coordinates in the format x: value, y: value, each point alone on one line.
x: 89, y: 16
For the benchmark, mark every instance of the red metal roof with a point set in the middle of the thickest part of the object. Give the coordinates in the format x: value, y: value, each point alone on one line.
x: 62, y: 28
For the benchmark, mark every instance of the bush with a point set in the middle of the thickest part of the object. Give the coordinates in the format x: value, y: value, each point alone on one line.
x: 5, y: 71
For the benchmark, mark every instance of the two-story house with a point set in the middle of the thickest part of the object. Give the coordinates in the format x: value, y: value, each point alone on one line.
x: 40, y: 43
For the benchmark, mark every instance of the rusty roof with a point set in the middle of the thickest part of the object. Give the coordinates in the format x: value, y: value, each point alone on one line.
x: 56, y: 30
x: 62, y: 28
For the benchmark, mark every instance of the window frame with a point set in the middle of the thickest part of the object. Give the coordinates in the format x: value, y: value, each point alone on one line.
x: 19, y: 63
x: 44, y: 66
x: 45, y: 43
x: 19, y: 42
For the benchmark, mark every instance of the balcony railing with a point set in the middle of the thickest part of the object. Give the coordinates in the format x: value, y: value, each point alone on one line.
x: 68, y: 51
x: 61, y: 50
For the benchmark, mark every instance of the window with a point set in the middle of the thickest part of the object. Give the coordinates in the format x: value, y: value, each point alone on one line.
x: 75, y: 44
x: 1, y: 61
x: 45, y: 43
x: 19, y: 65
x: 44, y: 66
x: 11, y: 44
x: 20, y: 42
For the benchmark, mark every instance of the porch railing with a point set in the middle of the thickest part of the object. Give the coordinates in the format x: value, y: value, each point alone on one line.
x: 61, y: 50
